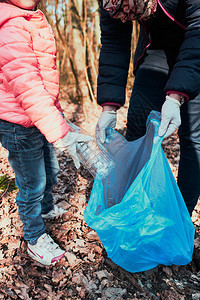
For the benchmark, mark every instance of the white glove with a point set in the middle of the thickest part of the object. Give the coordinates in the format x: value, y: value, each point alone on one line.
x: 106, y: 119
x: 68, y: 142
x: 170, y: 116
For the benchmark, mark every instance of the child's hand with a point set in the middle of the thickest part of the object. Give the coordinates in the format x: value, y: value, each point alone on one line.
x: 68, y: 143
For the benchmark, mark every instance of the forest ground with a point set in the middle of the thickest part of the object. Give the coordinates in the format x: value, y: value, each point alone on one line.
x: 85, y: 272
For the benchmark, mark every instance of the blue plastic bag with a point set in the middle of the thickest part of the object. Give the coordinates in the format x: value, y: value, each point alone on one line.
x: 138, y: 211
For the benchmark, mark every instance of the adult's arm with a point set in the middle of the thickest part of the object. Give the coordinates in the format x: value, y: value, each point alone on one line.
x: 185, y: 76
x: 114, y: 59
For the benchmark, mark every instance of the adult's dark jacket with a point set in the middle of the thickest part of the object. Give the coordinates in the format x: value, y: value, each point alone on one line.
x: 175, y: 28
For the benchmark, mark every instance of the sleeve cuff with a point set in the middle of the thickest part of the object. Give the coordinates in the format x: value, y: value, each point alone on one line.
x: 111, y: 103
x: 186, y: 96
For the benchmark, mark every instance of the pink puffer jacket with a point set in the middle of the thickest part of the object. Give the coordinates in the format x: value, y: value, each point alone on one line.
x: 29, y: 80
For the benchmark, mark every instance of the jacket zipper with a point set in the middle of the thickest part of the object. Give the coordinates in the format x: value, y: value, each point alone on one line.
x: 169, y: 16
x: 146, y: 47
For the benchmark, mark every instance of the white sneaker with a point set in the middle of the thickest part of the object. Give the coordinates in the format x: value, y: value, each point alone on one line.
x: 54, y: 213
x: 45, y: 251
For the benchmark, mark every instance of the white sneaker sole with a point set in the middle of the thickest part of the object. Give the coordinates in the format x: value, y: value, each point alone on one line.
x: 41, y: 260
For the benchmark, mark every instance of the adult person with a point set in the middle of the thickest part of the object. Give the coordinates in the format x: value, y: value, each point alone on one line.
x: 167, y: 76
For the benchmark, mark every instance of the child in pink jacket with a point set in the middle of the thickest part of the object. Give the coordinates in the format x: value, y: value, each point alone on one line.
x: 31, y: 121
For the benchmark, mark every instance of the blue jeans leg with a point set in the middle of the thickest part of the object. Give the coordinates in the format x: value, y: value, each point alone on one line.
x: 52, y: 170
x: 31, y: 157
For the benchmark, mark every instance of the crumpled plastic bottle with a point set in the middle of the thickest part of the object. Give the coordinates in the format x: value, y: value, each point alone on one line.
x: 94, y: 157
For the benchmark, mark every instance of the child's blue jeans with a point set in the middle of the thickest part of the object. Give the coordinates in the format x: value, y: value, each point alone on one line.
x: 35, y: 164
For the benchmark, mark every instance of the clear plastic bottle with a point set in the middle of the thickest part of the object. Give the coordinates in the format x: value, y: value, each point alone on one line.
x: 93, y: 157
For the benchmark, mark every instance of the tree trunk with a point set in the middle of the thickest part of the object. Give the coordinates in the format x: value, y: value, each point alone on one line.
x: 78, y: 48
x: 77, y: 44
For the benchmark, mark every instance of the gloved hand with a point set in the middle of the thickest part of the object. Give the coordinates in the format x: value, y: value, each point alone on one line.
x: 106, y: 119
x: 68, y: 142
x: 170, y: 116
